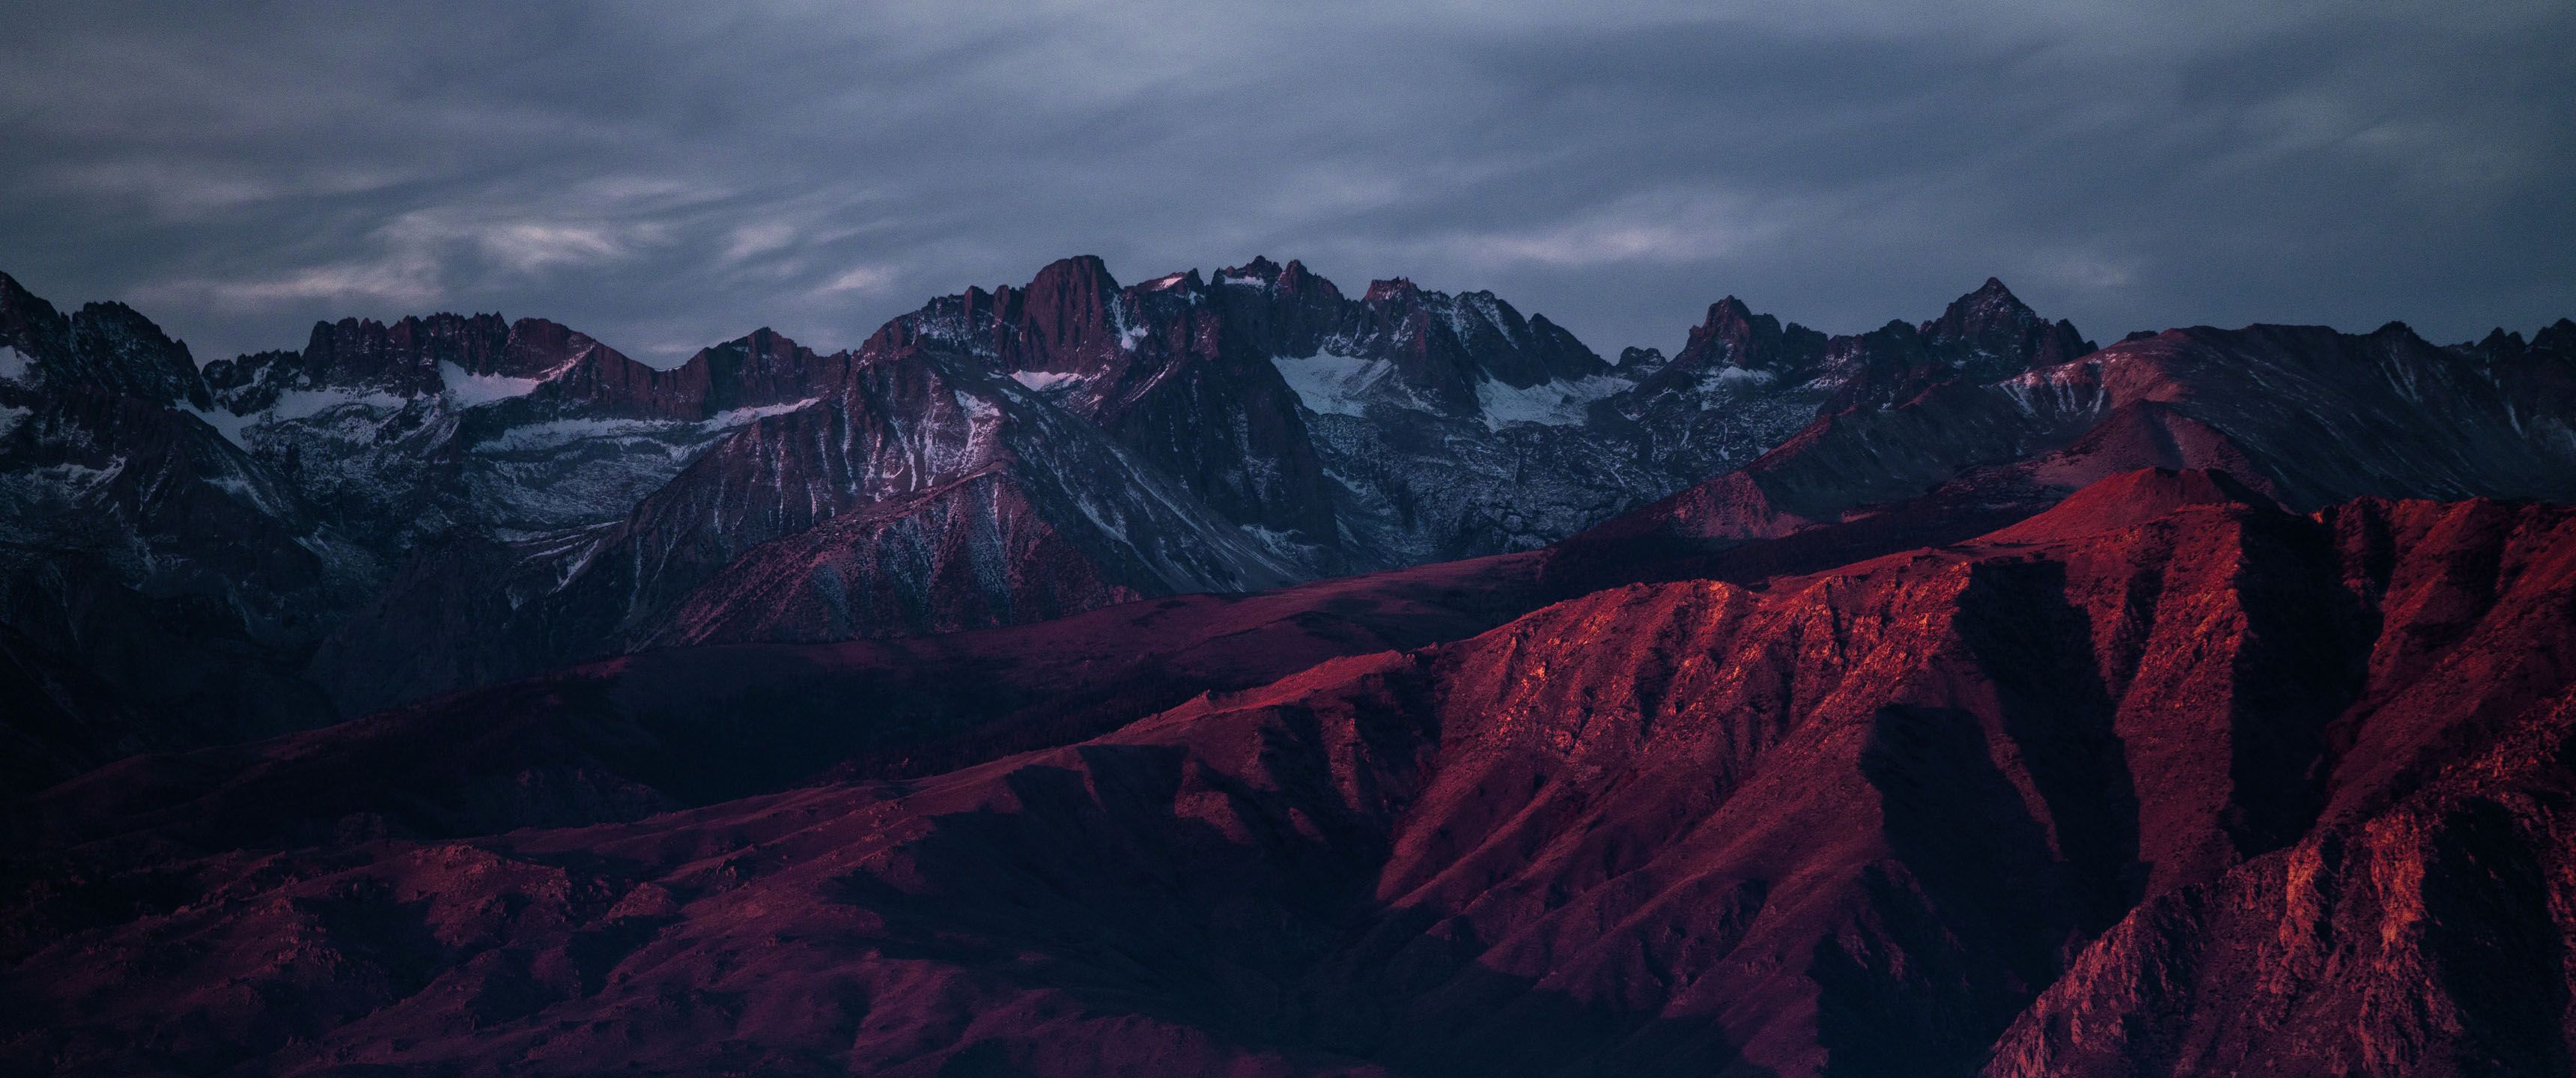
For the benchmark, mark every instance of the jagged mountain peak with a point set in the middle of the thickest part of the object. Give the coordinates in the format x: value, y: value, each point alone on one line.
x: 2498, y: 343
x: 1185, y: 281
x: 116, y: 347
x: 105, y: 345
x: 1990, y: 301
x: 1296, y: 280
x: 1391, y: 290
x: 2558, y: 337
x: 1080, y: 279
x: 1293, y: 280
x: 763, y: 339
x: 478, y: 358
x: 1261, y: 270
x: 1896, y: 331
x: 1633, y: 358
x: 1732, y: 335
x: 760, y: 368
x: 539, y: 348
x: 1990, y: 304
x: 2396, y: 330
x: 1991, y: 333
x: 403, y: 356
x: 27, y: 322
x: 13, y: 293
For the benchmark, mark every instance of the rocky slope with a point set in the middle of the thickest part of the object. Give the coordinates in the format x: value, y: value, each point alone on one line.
x: 1306, y: 432
x: 401, y: 509
x: 138, y: 545
x: 2166, y: 779
x: 1950, y: 698
x: 916, y: 496
x: 2304, y: 414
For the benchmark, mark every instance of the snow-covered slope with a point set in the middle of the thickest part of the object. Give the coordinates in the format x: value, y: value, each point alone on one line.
x: 918, y: 495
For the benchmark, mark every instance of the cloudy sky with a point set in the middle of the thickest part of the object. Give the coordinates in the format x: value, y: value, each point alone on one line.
x: 668, y: 175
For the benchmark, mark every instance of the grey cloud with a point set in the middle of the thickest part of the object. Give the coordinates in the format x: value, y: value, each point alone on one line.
x: 665, y: 175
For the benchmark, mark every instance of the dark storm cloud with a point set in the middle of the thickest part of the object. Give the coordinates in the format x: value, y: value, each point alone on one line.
x: 668, y: 175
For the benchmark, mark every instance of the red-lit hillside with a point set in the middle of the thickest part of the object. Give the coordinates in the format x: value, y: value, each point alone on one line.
x: 2165, y: 780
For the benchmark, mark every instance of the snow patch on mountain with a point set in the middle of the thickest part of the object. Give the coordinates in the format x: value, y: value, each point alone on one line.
x: 232, y: 427
x: 244, y: 490
x: 1329, y: 384
x: 738, y: 416
x: 1130, y: 334
x: 1045, y: 381
x: 357, y: 413
x: 1736, y: 379
x: 978, y: 410
x: 14, y: 364
x: 1553, y: 404
x: 469, y: 390
x: 1281, y: 545
x: 2066, y: 389
x: 11, y: 417
x: 557, y: 432
x: 307, y: 403
x: 1474, y: 307
x: 79, y: 479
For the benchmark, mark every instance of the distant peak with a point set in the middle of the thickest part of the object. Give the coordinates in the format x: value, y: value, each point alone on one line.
x: 1991, y: 309
x: 1261, y: 266
x: 1991, y: 333
x: 1397, y: 288
x: 11, y: 292
x: 1083, y: 272
x: 1729, y: 309
x: 2558, y: 336
x: 762, y: 341
x: 1296, y: 278
x: 1990, y: 297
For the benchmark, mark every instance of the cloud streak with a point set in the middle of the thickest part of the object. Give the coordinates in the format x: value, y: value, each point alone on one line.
x: 666, y: 174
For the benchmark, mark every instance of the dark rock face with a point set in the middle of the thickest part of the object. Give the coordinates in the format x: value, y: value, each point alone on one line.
x: 1990, y: 334
x: 2164, y: 780
x: 157, y: 576
x: 102, y: 348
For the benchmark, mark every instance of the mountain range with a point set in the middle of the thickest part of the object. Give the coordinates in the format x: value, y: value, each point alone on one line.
x: 1222, y: 674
